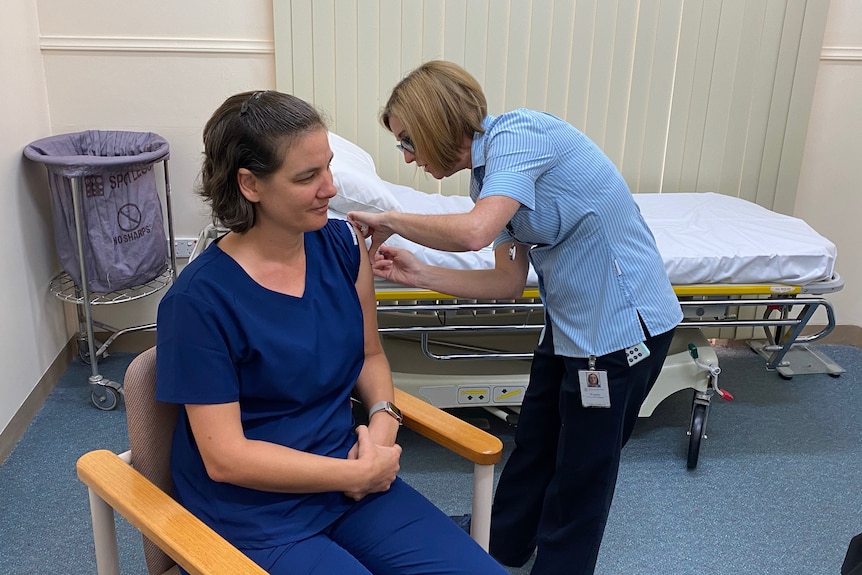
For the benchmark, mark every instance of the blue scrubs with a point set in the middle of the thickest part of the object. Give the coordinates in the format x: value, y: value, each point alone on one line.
x: 291, y: 363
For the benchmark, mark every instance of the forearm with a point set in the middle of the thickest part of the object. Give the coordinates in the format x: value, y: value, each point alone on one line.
x: 449, y: 232
x: 471, y: 284
x: 230, y: 457
x: 373, y: 385
x: 506, y: 280
x: 271, y: 467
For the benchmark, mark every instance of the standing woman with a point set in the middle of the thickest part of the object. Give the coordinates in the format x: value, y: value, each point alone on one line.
x: 262, y: 340
x: 547, y: 195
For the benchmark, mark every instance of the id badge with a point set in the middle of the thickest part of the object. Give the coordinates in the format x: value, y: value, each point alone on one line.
x: 594, y: 388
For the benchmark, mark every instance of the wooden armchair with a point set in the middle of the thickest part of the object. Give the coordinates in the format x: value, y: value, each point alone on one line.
x: 137, y: 483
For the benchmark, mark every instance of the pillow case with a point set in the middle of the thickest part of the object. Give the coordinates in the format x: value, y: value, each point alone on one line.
x: 355, y: 177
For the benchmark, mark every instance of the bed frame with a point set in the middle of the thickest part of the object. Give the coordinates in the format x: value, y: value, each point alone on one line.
x: 460, y: 353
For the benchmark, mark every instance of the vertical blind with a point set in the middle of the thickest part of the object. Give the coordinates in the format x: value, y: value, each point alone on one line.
x: 683, y: 95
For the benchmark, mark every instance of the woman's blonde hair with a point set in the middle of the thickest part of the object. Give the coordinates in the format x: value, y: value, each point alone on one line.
x: 439, y: 103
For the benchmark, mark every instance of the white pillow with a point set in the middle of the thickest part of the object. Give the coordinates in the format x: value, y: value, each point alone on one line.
x: 354, y: 175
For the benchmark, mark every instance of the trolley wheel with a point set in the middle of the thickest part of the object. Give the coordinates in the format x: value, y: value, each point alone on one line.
x: 698, y: 420
x: 110, y: 400
x: 84, y: 354
x: 84, y: 351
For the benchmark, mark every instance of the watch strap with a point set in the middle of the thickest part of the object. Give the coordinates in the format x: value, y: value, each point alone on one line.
x: 386, y: 406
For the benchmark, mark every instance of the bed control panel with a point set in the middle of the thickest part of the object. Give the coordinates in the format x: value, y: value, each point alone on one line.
x: 464, y: 395
x: 508, y: 394
x: 495, y: 395
x: 473, y: 395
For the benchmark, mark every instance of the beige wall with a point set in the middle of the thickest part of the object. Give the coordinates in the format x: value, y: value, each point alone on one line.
x: 829, y: 196
x: 164, y: 66
x: 33, y: 331
x: 157, y: 66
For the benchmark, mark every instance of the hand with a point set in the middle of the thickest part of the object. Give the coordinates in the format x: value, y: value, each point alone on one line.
x: 378, y: 467
x: 371, y: 225
x: 397, y: 265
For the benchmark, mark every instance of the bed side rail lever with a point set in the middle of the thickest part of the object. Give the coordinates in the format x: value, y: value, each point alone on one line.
x: 713, y: 371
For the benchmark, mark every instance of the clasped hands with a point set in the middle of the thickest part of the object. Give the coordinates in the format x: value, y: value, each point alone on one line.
x: 379, y: 463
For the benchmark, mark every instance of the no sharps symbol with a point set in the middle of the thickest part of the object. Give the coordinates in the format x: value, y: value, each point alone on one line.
x: 129, y: 217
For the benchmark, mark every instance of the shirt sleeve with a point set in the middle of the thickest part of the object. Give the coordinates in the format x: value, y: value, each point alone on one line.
x: 517, y: 153
x: 193, y: 361
x: 342, y: 235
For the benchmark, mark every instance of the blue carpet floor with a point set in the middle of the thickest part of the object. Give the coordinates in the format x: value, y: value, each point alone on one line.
x: 778, y: 488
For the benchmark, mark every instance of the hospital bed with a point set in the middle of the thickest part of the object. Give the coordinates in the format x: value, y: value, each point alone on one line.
x: 728, y: 260
x: 733, y: 264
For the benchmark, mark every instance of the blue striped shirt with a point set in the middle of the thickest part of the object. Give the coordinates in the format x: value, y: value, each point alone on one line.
x: 596, y: 259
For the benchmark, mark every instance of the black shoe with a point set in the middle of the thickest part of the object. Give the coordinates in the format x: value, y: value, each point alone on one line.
x: 463, y: 521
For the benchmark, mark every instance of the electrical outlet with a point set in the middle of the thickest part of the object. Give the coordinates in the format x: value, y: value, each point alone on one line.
x: 184, y: 246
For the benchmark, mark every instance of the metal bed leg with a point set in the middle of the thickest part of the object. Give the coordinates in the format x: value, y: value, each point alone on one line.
x: 483, y: 488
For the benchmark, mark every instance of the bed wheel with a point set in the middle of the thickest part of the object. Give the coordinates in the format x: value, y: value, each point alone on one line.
x: 108, y: 401
x: 698, y: 422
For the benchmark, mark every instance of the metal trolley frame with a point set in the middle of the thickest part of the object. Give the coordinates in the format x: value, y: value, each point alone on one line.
x: 105, y: 393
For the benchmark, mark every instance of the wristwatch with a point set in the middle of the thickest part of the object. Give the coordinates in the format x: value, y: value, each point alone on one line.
x: 388, y: 407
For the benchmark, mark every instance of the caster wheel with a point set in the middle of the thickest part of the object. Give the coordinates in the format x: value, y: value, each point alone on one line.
x: 84, y: 352
x: 698, y: 421
x: 108, y: 401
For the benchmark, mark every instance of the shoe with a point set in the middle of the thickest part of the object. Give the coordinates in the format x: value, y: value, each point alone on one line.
x: 463, y: 521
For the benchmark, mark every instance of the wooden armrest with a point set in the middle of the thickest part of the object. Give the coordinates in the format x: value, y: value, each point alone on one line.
x: 454, y: 434
x: 184, y: 537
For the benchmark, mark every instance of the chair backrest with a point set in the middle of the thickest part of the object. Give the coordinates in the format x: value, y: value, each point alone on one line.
x: 151, y: 427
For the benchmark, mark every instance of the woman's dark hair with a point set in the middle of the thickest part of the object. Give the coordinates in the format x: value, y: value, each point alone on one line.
x: 251, y: 130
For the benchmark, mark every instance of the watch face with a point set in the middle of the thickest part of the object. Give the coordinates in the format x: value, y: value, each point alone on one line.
x: 396, y: 411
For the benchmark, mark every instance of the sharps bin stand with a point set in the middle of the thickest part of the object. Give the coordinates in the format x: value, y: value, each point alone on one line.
x: 73, y: 162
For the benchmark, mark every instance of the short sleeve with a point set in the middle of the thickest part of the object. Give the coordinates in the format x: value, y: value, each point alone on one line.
x: 517, y: 153
x: 193, y: 363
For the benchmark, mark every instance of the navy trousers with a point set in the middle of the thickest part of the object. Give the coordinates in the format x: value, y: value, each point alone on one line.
x: 397, y: 532
x: 555, y: 490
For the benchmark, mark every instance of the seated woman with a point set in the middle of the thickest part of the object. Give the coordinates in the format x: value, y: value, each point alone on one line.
x: 262, y: 339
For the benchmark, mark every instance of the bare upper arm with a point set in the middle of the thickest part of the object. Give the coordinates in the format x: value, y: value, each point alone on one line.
x: 367, y: 300
x: 217, y: 429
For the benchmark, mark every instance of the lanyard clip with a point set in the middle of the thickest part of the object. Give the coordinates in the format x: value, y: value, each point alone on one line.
x: 591, y: 362
x: 512, y: 248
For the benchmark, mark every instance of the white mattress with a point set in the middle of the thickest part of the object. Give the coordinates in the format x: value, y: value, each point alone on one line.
x: 712, y: 238
x: 704, y: 238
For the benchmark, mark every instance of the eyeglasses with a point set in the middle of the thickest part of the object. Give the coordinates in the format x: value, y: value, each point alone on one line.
x: 405, y: 144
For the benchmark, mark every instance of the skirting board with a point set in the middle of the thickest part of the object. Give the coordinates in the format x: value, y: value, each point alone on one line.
x: 31, y: 406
